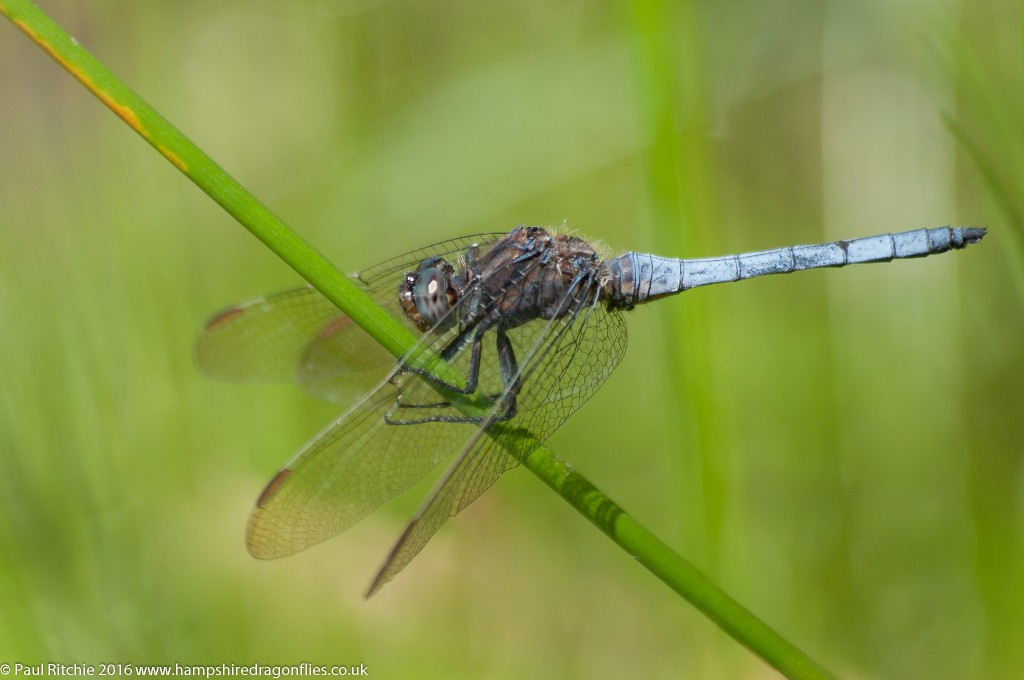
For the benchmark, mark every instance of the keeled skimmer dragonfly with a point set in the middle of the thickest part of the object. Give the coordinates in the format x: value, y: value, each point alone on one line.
x: 529, y: 322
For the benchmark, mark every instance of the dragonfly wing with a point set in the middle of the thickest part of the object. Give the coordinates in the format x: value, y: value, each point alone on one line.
x: 361, y: 461
x: 263, y: 340
x: 342, y: 362
x: 563, y: 362
x: 300, y: 336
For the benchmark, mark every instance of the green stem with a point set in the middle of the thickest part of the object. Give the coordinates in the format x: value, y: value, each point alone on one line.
x: 680, y: 575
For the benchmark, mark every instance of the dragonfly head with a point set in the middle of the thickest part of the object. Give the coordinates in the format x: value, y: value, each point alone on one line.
x: 428, y: 294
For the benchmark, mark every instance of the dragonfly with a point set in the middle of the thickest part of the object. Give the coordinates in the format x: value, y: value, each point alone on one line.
x: 526, y: 326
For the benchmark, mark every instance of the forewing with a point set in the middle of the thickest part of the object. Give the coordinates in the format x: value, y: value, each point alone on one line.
x: 263, y: 340
x: 300, y: 336
x: 562, y: 363
x: 294, y: 336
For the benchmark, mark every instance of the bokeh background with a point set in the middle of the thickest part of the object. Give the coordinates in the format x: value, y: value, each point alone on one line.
x: 840, y: 450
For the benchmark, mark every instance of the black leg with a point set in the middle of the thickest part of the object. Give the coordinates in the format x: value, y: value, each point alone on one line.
x: 509, y: 374
x: 449, y: 352
x: 470, y: 387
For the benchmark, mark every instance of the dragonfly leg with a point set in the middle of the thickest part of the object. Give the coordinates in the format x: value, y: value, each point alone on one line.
x: 506, y: 399
x: 438, y: 411
x: 472, y: 378
x: 473, y: 373
x: 449, y: 352
x: 506, y: 362
x: 509, y: 375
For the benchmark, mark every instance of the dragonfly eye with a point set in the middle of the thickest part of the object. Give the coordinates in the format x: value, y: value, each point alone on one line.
x: 432, y: 295
x: 429, y: 294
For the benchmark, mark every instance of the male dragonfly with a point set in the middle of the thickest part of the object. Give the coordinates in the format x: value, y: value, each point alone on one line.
x: 529, y: 324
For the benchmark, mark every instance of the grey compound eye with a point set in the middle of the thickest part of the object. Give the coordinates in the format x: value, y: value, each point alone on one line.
x: 430, y: 295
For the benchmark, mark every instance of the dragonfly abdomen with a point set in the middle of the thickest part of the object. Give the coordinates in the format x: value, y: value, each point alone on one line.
x: 635, y: 278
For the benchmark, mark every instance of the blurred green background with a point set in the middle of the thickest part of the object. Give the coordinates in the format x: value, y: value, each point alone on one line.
x: 840, y: 450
